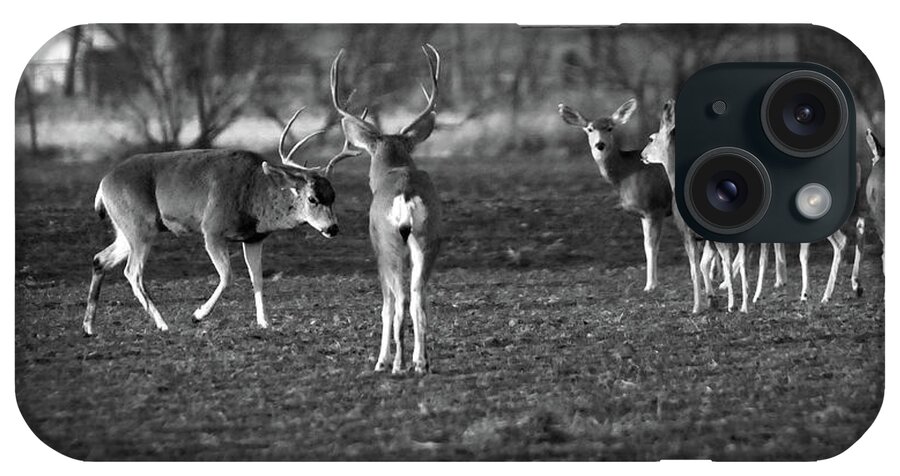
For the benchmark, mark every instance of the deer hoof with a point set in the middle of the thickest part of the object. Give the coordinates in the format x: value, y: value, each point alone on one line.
x: 859, y: 291
x: 198, y: 315
x: 421, y: 368
x: 380, y: 367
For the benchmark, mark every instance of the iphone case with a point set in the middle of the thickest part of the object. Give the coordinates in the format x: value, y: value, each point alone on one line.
x: 559, y: 322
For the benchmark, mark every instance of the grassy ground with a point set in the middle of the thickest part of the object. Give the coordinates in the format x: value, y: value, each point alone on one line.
x: 543, y: 344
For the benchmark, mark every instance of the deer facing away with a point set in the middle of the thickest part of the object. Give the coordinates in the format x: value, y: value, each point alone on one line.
x: 224, y: 195
x: 404, y: 218
x: 643, y: 188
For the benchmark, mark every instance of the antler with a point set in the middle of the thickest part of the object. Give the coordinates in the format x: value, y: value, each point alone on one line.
x: 346, y: 151
x: 434, y: 68
x: 345, y: 115
x: 286, y: 159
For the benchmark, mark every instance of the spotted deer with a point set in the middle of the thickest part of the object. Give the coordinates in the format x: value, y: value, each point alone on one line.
x: 224, y: 195
x: 404, y: 217
x: 642, y: 188
x: 661, y: 150
x: 870, y: 202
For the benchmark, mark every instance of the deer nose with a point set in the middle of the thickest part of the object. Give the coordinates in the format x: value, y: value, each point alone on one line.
x: 600, y: 146
x: 331, y: 231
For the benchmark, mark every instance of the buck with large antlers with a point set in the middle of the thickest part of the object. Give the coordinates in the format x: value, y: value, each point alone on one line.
x: 661, y: 150
x: 404, y: 218
x: 225, y: 195
x: 643, y: 188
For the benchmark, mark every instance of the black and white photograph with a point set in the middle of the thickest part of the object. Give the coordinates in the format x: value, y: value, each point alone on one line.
x: 437, y: 242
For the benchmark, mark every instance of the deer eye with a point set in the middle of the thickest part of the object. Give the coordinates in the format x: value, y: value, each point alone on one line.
x: 609, y: 129
x: 313, y: 200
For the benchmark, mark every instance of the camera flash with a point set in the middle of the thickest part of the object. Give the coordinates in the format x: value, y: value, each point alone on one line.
x: 813, y: 201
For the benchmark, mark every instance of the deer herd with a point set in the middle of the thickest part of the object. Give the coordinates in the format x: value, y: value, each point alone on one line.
x: 238, y: 196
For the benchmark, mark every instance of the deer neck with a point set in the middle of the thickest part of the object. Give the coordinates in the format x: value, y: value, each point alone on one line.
x: 273, y: 207
x: 610, y: 164
x: 388, y: 155
x: 669, y: 165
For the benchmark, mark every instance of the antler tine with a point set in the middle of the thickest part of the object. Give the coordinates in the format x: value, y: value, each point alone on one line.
x: 346, y: 151
x: 434, y: 67
x: 335, y: 67
x: 284, y: 133
x: 286, y: 159
x: 345, y: 115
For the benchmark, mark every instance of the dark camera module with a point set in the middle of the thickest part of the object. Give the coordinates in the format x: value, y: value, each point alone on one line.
x: 804, y: 113
x: 728, y: 190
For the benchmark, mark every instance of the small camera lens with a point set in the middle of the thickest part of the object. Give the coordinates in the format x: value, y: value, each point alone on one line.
x: 804, y: 113
x: 727, y: 190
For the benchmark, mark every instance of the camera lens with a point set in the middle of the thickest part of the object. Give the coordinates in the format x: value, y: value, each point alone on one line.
x: 804, y: 113
x: 727, y: 190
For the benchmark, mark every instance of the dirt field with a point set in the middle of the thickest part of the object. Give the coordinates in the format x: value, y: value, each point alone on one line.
x: 543, y: 344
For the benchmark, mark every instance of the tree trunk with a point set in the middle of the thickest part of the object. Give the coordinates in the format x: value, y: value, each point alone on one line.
x: 73, y: 58
x: 31, y: 108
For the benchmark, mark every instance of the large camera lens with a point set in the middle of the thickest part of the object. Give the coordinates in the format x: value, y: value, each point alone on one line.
x: 727, y: 190
x: 804, y: 113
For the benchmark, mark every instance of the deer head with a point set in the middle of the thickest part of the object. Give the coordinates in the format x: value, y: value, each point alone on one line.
x: 599, y: 131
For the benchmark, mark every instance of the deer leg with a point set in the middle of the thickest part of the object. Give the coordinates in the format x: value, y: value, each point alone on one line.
x: 725, y: 254
x: 838, y: 241
x: 417, y: 305
x: 387, y: 310
x: 690, y: 247
x: 742, y: 270
x: 804, y: 271
x: 401, y: 302
x: 761, y: 276
x: 218, y: 253
x: 253, y: 259
x: 103, y: 262
x: 858, y: 255
x: 134, y: 273
x: 651, y: 244
x: 780, y: 265
x: 706, y: 261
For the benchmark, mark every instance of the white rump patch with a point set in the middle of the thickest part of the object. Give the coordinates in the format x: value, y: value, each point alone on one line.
x: 402, y: 212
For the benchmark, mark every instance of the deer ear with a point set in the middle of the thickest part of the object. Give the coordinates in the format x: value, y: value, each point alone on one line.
x: 360, y: 133
x: 289, y: 177
x: 571, y: 116
x: 874, y: 144
x: 669, y: 112
x: 623, y: 113
x: 420, y: 130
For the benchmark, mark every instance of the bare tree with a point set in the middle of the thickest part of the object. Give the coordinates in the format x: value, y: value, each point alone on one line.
x: 179, y: 66
x: 76, y: 33
x: 30, y: 108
